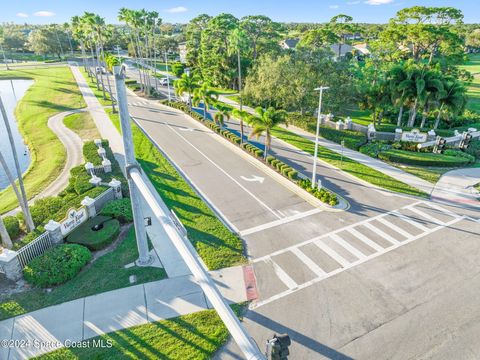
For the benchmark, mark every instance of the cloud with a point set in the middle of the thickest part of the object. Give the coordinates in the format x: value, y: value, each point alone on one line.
x: 333, y: 6
x: 23, y: 15
x: 378, y: 2
x: 353, y: 2
x: 44, y: 13
x: 176, y: 10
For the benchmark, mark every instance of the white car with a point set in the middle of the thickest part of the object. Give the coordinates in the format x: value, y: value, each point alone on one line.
x: 164, y: 81
x: 100, y: 70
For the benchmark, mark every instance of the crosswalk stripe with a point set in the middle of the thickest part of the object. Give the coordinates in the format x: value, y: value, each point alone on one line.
x: 425, y: 215
x: 365, y: 239
x: 282, y: 275
x: 410, y: 221
x: 333, y: 254
x: 381, y: 233
x: 309, y: 262
x: 347, y: 246
x: 445, y: 211
x: 394, y: 227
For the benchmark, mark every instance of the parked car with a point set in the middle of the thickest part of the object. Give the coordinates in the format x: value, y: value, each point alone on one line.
x: 164, y: 81
x: 100, y: 70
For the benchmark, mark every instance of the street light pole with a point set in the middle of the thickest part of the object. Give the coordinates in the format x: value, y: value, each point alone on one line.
x: 168, y: 78
x: 314, y: 170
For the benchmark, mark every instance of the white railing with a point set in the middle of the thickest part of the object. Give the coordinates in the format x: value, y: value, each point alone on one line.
x: 35, y: 248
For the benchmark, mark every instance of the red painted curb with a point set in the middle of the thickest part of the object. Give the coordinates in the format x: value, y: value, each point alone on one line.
x: 250, y: 282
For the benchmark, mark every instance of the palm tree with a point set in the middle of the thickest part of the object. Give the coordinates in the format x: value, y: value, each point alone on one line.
x: 23, y: 197
x: 433, y: 90
x: 6, y: 241
x: 451, y: 100
x: 223, y: 113
x: 205, y: 95
x: 187, y: 84
x: 264, y: 121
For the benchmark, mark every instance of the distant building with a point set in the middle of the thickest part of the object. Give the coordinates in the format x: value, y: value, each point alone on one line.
x: 182, y: 51
x: 356, y: 36
x: 289, y: 44
x: 362, y: 49
x: 344, y: 49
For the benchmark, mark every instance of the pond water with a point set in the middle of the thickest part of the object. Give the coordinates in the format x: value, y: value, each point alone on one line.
x: 11, y: 92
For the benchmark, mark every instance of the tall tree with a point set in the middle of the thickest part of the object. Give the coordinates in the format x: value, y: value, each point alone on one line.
x: 264, y: 121
x: 187, y: 84
x: 262, y: 32
x: 342, y: 25
x: 204, y: 94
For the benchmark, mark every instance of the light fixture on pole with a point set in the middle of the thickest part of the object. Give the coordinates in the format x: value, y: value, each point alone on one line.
x: 314, y: 170
x: 168, y: 77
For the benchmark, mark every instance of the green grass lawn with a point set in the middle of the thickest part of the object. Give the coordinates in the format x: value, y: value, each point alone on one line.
x: 105, y: 274
x: 235, y: 98
x: 98, y: 93
x: 216, y: 245
x: 473, y: 66
x: 82, y: 123
x: 53, y: 91
x: 196, y: 336
x: 222, y: 91
x: 348, y: 165
x: 430, y: 174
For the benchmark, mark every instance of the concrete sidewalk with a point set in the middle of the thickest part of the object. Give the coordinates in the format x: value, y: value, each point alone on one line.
x: 376, y: 164
x: 81, y: 319
x: 456, y: 187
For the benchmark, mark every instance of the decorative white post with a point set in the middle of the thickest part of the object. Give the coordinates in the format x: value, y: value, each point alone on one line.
x: 431, y: 135
x: 89, y: 167
x: 398, y: 134
x: 107, y: 165
x: 348, y: 123
x: 54, y: 230
x: 339, y: 125
x: 89, y: 204
x: 98, y: 142
x: 95, y: 180
x: 117, y: 188
x: 11, y: 265
x: 371, y: 132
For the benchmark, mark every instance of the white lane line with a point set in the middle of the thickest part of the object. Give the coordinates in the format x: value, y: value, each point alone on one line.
x: 394, y: 227
x: 441, y: 209
x: 381, y: 233
x: 425, y: 215
x: 339, y: 270
x: 309, y: 262
x: 347, y: 246
x: 332, y: 253
x: 225, y: 173
x: 365, y: 239
x: 282, y: 275
x: 410, y: 221
x: 274, y: 223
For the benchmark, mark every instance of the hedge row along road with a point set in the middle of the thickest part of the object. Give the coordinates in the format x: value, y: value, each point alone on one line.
x: 53, y: 91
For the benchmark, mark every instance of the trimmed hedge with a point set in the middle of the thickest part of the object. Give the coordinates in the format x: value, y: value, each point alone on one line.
x: 95, y: 240
x: 322, y: 194
x: 12, y: 225
x: 120, y: 209
x: 423, y: 159
x: 57, y: 265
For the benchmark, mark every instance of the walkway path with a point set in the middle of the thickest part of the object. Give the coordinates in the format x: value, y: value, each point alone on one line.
x: 376, y: 164
x: 74, y: 147
x: 456, y: 186
x: 87, y: 317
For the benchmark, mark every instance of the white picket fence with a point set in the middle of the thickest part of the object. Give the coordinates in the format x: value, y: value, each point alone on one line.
x: 35, y: 248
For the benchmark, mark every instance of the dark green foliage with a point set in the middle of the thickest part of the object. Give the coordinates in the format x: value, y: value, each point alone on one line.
x: 409, y: 146
x: 57, y: 265
x: 474, y: 149
x: 373, y: 148
x: 120, y: 209
x: 178, y: 68
x: 12, y: 225
x: 423, y: 159
x: 43, y: 209
x: 32, y: 235
x: 95, y: 240
x: 130, y: 81
x: 323, y: 194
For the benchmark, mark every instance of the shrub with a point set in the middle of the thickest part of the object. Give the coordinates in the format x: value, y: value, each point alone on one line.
x: 120, y: 209
x: 322, y: 194
x: 269, y: 159
x: 12, y: 225
x: 57, y: 265
x: 44, y: 208
x: 32, y: 235
x: 95, y: 240
x: 373, y: 148
x: 422, y: 159
x: 292, y: 174
x: 474, y: 149
x: 461, y: 154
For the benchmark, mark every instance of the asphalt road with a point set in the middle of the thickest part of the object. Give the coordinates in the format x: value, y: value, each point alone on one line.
x: 392, y: 278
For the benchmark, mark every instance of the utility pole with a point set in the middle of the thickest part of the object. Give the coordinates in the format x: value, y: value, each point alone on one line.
x: 130, y: 162
x: 137, y: 182
x: 24, y: 203
x: 168, y: 78
x: 314, y: 170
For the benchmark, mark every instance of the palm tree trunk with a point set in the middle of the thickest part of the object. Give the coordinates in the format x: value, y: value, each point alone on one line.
x: 99, y: 64
x: 437, y: 120
x: 204, y: 110
x: 413, y: 115
x: 400, y: 115
x: 23, y: 198
x: 6, y: 241
x: 240, y: 92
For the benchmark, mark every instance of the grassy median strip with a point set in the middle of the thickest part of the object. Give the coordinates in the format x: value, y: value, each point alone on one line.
x: 53, y: 91
x: 348, y: 165
x: 98, y: 92
x: 104, y: 274
x: 82, y: 124
x: 217, y: 245
x: 195, y: 336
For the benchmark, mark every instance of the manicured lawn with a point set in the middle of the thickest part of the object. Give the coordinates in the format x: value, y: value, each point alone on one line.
x: 473, y: 66
x: 82, y: 123
x: 216, y: 245
x: 221, y: 91
x: 106, y: 273
x: 235, y: 98
x: 348, y: 165
x: 430, y: 174
x: 422, y: 158
x: 98, y: 93
x: 196, y: 336
x: 53, y: 91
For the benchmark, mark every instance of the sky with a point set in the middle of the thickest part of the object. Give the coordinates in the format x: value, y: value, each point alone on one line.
x: 181, y: 11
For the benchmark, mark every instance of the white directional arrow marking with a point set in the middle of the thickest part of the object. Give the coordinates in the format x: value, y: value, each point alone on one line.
x: 254, y: 178
x: 186, y: 129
